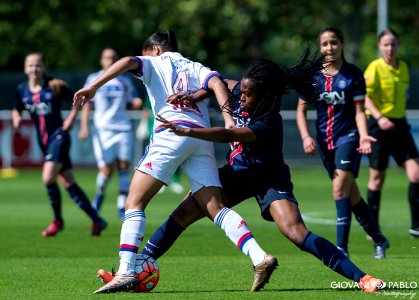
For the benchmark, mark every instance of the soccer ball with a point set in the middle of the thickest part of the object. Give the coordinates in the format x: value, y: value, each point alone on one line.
x: 148, y: 273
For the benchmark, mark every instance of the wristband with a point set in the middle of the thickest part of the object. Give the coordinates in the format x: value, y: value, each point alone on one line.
x: 378, y: 119
x: 304, y: 137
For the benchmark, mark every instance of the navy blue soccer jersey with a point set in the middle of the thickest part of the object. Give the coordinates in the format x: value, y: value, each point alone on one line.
x: 44, y: 108
x: 336, y: 106
x: 264, y: 154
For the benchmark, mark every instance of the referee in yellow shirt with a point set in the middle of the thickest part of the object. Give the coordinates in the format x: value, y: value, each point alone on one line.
x: 387, y: 81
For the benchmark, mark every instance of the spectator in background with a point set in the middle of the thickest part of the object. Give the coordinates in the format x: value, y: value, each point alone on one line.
x: 387, y: 81
x: 113, y: 135
x: 41, y: 96
x: 341, y: 137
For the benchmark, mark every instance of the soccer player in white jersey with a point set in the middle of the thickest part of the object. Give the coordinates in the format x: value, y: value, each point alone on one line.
x: 164, y: 72
x: 113, y: 133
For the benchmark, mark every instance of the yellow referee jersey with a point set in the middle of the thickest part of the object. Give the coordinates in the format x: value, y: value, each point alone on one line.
x: 388, y: 87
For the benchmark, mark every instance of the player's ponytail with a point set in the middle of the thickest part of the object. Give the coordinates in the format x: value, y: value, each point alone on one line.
x: 303, y: 75
x: 166, y: 41
x: 272, y: 81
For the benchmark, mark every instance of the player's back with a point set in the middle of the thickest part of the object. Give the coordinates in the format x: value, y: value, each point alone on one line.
x: 171, y: 73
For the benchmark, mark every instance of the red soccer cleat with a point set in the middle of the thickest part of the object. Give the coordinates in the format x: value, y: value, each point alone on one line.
x: 370, y: 284
x: 53, y: 228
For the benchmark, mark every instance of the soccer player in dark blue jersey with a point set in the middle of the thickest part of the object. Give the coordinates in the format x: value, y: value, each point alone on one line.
x: 256, y: 166
x: 41, y: 96
x: 342, y: 137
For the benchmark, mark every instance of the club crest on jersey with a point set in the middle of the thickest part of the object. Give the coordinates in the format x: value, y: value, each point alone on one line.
x: 342, y: 84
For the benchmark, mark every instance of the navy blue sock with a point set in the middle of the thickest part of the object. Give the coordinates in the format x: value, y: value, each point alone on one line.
x: 414, y: 204
x: 331, y: 256
x: 343, y: 221
x: 54, y: 196
x: 364, y: 217
x: 80, y: 198
x: 374, y: 199
x: 163, y: 238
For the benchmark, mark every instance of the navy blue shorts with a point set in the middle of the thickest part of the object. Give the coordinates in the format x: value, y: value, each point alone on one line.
x: 345, y: 157
x: 397, y: 142
x: 59, y: 149
x: 265, y: 187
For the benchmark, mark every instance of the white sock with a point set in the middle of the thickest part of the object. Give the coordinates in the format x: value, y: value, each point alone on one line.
x: 132, y: 234
x: 237, y: 231
x: 101, y: 182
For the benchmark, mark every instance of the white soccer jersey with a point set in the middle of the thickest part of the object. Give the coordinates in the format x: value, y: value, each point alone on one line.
x: 110, y: 103
x: 167, y: 74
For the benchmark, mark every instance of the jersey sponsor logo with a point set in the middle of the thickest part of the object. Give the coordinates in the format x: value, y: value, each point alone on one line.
x: 41, y: 109
x: 343, y: 162
x: 333, y: 97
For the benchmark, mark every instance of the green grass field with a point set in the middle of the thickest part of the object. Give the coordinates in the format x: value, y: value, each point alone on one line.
x: 203, y: 264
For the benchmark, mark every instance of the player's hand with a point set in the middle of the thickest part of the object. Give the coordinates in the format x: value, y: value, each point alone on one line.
x: 385, y: 124
x: 83, y: 96
x: 365, y: 144
x: 181, y: 99
x: 309, y: 145
x: 181, y: 131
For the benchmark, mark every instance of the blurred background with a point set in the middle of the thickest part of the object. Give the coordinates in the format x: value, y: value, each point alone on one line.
x: 225, y: 35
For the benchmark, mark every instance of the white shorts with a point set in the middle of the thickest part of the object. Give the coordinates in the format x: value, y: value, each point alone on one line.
x: 110, y: 145
x: 168, y: 151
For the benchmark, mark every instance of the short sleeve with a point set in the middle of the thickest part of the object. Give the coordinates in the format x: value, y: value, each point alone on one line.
x: 359, y: 86
x: 371, y: 80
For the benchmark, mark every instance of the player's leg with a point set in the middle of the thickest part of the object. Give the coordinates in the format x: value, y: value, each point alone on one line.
x: 342, y: 182
x: 378, y: 163
x: 375, y: 184
x: 406, y: 155
x: 67, y: 179
x: 289, y: 221
x: 102, y: 178
x: 412, y: 171
x: 204, y: 179
x: 105, y: 157
x: 123, y: 186
x: 237, y: 230
x: 50, y: 171
x: 142, y: 189
x: 124, y: 155
x: 364, y: 217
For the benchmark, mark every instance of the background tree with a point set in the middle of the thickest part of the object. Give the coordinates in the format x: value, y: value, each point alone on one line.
x: 224, y: 34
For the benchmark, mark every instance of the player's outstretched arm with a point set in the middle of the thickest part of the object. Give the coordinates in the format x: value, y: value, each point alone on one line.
x: 213, y: 134
x: 119, y: 67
